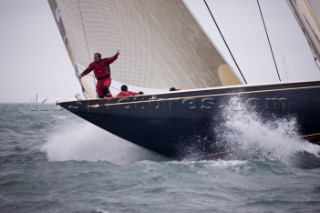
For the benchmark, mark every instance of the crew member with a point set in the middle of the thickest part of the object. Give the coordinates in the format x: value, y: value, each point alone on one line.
x: 124, y: 92
x: 102, y: 73
x: 173, y: 89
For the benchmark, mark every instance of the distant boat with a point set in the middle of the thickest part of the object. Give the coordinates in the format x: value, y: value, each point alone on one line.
x: 162, y: 45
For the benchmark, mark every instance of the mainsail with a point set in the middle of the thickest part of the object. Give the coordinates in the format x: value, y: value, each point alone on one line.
x: 308, y: 14
x: 160, y: 42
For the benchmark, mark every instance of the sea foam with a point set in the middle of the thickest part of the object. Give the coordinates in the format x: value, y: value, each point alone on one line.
x: 84, y: 141
x: 247, y: 135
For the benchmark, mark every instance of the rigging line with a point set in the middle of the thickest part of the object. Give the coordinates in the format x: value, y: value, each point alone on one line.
x: 82, y: 87
x: 114, y: 87
x: 317, y: 63
x: 265, y: 29
x: 316, y: 59
x: 224, y: 40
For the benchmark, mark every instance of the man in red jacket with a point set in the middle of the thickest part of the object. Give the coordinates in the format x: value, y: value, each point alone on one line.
x: 124, y: 92
x: 102, y: 73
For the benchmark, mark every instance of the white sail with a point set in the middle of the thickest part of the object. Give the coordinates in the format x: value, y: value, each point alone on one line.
x: 308, y: 13
x: 161, y: 44
x: 86, y: 87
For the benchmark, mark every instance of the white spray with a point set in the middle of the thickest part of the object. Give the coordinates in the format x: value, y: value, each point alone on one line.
x: 84, y: 141
x: 248, y: 135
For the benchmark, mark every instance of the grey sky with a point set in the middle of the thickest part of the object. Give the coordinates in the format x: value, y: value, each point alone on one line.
x: 33, y: 58
x: 242, y: 27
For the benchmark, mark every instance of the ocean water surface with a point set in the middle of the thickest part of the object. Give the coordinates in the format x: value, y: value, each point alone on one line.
x: 53, y: 161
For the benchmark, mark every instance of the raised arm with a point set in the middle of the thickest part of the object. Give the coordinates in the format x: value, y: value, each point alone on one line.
x: 112, y: 59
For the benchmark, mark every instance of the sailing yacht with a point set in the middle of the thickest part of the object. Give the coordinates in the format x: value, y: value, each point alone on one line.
x: 165, y: 43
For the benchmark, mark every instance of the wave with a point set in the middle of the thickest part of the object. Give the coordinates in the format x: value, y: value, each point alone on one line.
x: 247, y: 135
x: 86, y: 142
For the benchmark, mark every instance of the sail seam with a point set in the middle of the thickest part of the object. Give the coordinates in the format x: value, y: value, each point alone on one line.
x: 86, y: 39
x: 84, y: 30
x: 266, y: 31
x: 224, y: 40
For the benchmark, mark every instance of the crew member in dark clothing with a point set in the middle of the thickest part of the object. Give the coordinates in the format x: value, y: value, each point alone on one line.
x: 102, y: 73
x: 174, y: 89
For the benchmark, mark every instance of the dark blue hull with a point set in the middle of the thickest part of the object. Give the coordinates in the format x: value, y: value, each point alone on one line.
x: 175, y: 124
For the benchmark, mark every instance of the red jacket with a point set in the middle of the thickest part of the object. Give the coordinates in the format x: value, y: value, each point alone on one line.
x: 101, y: 67
x: 127, y: 93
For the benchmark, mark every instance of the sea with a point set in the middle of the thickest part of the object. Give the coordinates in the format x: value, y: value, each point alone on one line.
x: 54, y: 161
